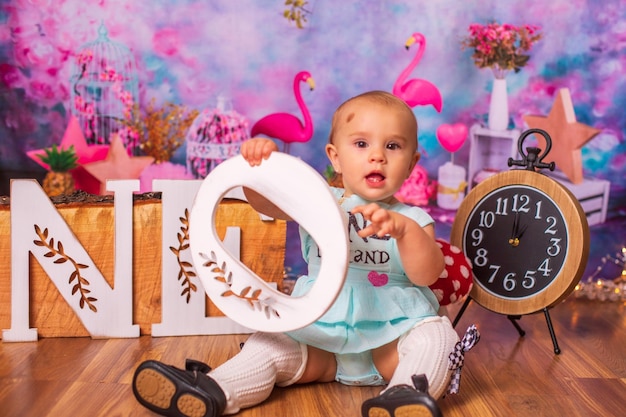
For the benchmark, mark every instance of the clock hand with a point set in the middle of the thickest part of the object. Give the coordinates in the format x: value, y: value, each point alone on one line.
x: 514, y: 240
x: 515, y: 220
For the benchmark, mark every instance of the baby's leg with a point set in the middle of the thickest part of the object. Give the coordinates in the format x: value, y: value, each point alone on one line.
x: 422, y: 370
x: 245, y: 380
x: 425, y: 349
x: 266, y: 359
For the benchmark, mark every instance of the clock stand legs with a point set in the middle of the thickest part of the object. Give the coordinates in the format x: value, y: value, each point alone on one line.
x: 514, y: 320
x: 461, y: 311
x: 557, y: 349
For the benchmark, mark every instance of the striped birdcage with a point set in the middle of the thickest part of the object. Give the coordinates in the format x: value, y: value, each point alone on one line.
x: 216, y: 134
x: 104, y: 91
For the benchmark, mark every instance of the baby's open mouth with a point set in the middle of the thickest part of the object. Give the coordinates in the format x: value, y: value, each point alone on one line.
x: 375, y: 177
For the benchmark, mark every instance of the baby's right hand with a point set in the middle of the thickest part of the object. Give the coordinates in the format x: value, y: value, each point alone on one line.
x: 255, y: 150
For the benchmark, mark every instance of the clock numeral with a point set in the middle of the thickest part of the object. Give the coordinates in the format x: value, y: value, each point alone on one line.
x: 495, y: 269
x: 529, y: 280
x: 481, y: 257
x: 501, y: 207
x: 477, y: 235
x: 521, y: 200
x: 538, y: 210
x: 552, y: 226
x: 554, y: 249
x: 545, y: 267
x: 487, y: 218
x: 520, y: 204
x: 509, y: 282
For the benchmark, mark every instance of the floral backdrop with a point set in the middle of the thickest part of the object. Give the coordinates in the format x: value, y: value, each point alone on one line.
x: 191, y: 51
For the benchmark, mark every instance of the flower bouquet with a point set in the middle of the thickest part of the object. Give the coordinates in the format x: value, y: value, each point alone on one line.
x: 501, y: 47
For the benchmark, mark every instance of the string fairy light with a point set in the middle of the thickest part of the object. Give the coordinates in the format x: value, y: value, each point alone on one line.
x: 605, y: 289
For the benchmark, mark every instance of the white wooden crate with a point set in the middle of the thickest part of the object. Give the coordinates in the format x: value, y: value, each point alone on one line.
x: 490, y: 151
x: 593, y: 195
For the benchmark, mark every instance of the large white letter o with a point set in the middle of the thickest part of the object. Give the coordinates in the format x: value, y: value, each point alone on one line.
x: 238, y: 292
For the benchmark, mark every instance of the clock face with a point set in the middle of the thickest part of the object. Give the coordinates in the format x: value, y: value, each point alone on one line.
x: 527, y: 238
x: 517, y: 240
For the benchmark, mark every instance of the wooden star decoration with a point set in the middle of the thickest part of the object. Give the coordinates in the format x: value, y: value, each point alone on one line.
x: 86, y: 153
x: 117, y: 165
x: 568, y: 136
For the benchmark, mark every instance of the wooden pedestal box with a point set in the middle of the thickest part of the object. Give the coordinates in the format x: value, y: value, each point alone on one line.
x: 262, y: 250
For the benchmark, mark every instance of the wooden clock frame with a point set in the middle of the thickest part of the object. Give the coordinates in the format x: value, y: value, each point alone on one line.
x: 577, y: 250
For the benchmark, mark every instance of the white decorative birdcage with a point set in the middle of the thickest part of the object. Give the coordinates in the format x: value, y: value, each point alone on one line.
x: 215, y: 135
x: 104, y: 90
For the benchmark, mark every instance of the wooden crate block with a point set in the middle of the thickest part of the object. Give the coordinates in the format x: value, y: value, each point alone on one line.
x: 262, y: 250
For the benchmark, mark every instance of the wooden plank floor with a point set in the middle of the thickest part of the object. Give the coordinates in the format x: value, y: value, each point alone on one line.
x: 504, y: 375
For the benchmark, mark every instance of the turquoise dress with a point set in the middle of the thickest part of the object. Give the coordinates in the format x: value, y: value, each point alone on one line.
x: 377, y: 303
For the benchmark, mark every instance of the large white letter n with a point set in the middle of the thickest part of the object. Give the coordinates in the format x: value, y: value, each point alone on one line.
x: 38, y: 228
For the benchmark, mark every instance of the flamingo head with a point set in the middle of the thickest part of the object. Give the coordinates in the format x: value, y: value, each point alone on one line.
x: 415, y: 38
x: 306, y: 77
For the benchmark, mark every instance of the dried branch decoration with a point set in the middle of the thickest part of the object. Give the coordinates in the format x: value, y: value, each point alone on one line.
x: 250, y: 296
x: 296, y: 12
x: 186, y: 268
x: 160, y: 131
x: 81, y: 283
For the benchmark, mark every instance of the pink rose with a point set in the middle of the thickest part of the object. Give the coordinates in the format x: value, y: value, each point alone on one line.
x: 166, y: 42
x: 9, y: 75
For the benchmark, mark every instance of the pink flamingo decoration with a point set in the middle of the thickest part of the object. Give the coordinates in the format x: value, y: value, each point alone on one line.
x: 416, y: 91
x: 287, y: 127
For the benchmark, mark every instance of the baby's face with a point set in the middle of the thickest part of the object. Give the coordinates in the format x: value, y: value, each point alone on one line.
x: 374, y: 148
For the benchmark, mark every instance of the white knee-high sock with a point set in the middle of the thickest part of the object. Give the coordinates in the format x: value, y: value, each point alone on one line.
x: 425, y: 349
x: 266, y: 359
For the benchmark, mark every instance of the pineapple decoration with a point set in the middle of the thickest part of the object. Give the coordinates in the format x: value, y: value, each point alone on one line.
x: 59, y: 180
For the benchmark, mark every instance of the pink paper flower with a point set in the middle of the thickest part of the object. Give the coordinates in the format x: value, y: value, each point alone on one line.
x: 417, y: 190
x: 501, y: 47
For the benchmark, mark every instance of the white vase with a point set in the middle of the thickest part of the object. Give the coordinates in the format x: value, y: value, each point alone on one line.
x: 499, y: 106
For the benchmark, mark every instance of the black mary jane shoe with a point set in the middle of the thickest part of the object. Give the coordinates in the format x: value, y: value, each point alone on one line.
x: 403, y: 400
x: 174, y: 392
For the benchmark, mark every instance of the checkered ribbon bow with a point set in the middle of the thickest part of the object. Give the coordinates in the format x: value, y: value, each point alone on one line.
x: 471, y: 337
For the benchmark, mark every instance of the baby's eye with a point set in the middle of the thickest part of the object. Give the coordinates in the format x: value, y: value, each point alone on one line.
x: 393, y: 146
x: 360, y: 144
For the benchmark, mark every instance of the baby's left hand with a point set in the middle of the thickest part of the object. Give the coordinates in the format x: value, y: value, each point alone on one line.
x: 382, y: 221
x: 255, y: 150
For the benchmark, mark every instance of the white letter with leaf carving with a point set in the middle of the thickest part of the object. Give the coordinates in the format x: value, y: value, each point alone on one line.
x: 38, y: 228
x: 183, y: 298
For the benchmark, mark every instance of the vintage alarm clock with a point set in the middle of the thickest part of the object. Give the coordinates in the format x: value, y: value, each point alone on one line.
x: 526, y: 236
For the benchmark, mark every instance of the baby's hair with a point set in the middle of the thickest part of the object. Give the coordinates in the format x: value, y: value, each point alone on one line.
x: 375, y: 96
